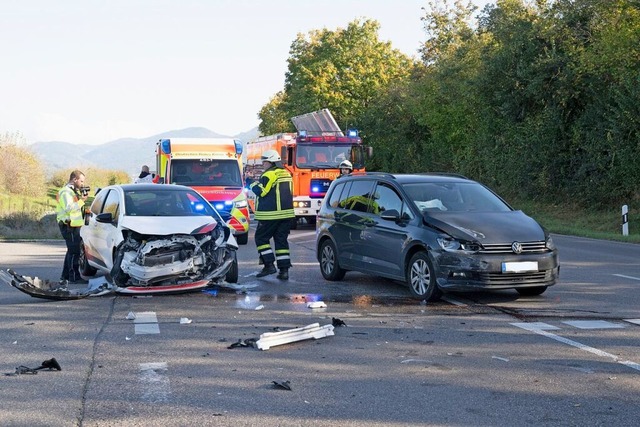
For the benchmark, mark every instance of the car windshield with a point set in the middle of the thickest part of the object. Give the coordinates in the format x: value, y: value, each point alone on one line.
x: 166, y: 203
x: 454, y: 197
x: 206, y: 172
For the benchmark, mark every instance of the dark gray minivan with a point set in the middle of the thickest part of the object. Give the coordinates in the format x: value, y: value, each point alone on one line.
x: 435, y: 232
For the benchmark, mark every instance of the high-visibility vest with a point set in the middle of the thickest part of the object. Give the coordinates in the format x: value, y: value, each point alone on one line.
x: 274, y: 191
x: 69, y: 208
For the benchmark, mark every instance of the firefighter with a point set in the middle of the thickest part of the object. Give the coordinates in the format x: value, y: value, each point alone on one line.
x: 345, y: 168
x: 69, y: 210
x: 274, y: 213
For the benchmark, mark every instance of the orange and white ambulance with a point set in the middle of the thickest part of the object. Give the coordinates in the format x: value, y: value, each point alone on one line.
x: 213, y: 167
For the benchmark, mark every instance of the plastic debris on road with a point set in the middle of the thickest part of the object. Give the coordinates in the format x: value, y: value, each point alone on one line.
x: 284, y: 385
x: 316, y: 304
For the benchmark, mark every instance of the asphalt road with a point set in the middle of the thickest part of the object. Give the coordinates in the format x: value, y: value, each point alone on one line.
x: 568, y: 357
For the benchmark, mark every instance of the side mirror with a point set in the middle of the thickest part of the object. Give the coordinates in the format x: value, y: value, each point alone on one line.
x: 105, y: 217
x: 390, y: 215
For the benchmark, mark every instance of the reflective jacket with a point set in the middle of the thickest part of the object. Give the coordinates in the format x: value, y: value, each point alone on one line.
x: 274, y: 191
x: 69, y: 208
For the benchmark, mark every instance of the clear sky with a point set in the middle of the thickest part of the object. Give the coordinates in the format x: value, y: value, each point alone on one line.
x: 91, y: 71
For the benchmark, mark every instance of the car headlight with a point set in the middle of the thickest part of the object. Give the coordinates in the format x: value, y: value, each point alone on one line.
x: 240, y: 204
x: 550, y: 244
x: 452, y: 245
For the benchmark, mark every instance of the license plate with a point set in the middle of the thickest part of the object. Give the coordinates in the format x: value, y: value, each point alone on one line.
x: 519, y: 267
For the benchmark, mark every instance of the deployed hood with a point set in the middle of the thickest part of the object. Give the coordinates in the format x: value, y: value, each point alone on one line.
x: 487, y: 227
x: 165, y: 226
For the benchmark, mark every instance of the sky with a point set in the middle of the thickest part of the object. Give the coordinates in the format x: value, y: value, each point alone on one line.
x: 92, y: 71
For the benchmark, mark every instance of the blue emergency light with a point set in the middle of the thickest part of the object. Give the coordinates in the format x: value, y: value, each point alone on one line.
x: 165, y: 146
x: 352, y: 133
x: 315, y: 189
x: 238, y: 145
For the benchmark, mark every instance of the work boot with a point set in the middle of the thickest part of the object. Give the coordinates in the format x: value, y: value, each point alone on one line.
x: 284, y: 274
x: 267, y: 270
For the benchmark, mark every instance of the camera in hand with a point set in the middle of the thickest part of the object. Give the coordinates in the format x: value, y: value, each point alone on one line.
x: 85, y: 190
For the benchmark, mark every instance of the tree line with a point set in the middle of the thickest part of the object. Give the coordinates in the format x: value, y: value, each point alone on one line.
x: 536, y: 98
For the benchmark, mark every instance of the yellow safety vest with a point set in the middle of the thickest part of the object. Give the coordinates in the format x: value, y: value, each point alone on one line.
x: 69, y: 208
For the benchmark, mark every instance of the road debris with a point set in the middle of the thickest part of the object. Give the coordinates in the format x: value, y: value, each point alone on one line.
x: 315, y: 331
x: 250, y: 342
x: 39, y: 288
x: 284, y: 385
x: 50, y: 365
x: 185, y: 320
x: 337, y: 322
x: 316, y: 304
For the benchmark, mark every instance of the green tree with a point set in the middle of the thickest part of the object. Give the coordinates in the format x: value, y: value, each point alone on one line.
x: 273, y: 116
x: 342, y: 70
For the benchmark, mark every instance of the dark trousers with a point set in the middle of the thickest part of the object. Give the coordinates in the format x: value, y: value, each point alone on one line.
x: 279, y: 231
x: 71, y: 269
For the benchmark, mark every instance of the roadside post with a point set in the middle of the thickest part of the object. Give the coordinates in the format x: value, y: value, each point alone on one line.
x: 625, y: 220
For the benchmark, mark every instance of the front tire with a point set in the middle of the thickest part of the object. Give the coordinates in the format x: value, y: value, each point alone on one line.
x: 329, y: 266
x: 232, y: 274
x: 85, y: 269
x: 242, y: 239
x: 421, y: 278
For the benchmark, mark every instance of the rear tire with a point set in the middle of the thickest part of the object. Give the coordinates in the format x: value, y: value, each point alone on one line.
x: 232, y: 274
x: 536, y: 290
x: 421, y: 278
x: 85, y: 269
x: 329, y: 266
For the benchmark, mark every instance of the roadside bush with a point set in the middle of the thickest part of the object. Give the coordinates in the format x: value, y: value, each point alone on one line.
x: 21, y: 172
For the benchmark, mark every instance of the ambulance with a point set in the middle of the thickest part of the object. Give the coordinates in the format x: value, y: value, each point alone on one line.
x: 213, y: 167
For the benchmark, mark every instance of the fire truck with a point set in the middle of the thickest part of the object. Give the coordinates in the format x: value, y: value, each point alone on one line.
x: 312, y: 156
x: 213, y: 167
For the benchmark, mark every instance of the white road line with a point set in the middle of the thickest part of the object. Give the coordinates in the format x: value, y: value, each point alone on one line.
x: 146, y: 322
x: 154, y: 382
x: 453, y: 301
x: 627, y: 277
x: 580, y: 346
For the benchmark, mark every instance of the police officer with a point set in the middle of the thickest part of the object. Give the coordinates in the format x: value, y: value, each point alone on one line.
x: 274, y: 212
x: 345, y: 168
x: 70, y: 204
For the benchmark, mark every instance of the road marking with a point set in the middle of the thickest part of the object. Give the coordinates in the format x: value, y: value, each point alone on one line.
x: 627, y: 277
x: 578, y: 345
x: 536, y: 325
x: 154, y: 383
x: 146, y: 322
x: 593, y: 324
x: 453, y: 301
x: 634, y: 321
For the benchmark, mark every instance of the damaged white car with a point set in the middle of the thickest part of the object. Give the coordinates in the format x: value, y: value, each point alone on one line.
x: 149, y: 238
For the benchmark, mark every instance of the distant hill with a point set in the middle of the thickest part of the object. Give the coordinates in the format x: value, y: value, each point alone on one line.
x: 126, y: 154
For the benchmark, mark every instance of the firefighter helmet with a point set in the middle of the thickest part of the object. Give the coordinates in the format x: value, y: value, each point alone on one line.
x: 271, y: 156
x: 346, y: 164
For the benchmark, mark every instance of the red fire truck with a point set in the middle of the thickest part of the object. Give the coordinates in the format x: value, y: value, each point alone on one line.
x: 312, y: 156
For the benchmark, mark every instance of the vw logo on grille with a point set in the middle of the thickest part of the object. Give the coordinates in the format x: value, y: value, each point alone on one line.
x: 516, y: 247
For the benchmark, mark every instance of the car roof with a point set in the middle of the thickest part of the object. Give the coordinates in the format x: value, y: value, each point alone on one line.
x: 150, y: 186
x: 413, y: 178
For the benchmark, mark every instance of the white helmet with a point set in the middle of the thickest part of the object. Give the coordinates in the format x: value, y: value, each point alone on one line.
x: 346, y: 164
x: 271, y: 156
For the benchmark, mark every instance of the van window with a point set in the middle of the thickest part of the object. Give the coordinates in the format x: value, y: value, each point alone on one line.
x: 358, y: 198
